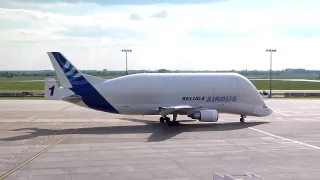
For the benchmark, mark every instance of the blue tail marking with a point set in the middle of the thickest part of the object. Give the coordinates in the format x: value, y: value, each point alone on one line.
x: 80, y: 86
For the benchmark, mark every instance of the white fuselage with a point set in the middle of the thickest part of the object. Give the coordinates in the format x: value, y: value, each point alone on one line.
x: 143, y: 94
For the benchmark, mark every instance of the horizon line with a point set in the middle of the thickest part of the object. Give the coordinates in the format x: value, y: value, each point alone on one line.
x: 244, y: 70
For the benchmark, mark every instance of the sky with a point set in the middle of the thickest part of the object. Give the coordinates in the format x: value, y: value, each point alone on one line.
x: 169, y: 34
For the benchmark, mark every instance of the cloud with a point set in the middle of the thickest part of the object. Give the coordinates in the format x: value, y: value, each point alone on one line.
x: 29, y: 35
x: 111, y: 19
x: 135, y: 16
x: 96, y: 31
x: 307, y: 31
x: 162, y: 14
x: 213, y: 33
x: 9, y: 24
x: 219, y: 35
x: 119, y: 2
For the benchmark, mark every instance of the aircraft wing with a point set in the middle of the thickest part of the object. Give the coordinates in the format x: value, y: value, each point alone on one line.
x: 184, y: 109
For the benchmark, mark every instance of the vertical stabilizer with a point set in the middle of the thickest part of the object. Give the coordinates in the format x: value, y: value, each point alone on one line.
x: 68, y: 74
x: 63, y: 80
x: 81, y: 85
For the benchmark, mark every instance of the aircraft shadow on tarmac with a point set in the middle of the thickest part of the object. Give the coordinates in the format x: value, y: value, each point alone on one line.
x: 160, y: 131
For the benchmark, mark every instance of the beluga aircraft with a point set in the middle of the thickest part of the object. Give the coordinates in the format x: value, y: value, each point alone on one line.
x: 201, y: 96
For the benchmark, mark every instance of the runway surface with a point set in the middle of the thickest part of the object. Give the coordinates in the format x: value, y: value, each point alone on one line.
x: 55, y: 140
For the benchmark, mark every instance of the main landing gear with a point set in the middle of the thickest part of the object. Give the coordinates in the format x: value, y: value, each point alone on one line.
x: 242, y: 118
x: 170, y: 123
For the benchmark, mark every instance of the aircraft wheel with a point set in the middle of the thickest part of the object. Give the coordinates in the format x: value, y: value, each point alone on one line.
x: 162, y: 119
x: 242, y: 119
x: 167, y: 119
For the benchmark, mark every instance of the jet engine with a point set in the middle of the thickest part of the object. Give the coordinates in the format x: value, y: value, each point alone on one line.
x: 209, y: 115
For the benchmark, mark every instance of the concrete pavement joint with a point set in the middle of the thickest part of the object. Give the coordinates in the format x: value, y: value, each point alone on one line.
x: 35, y: 156
x: 173, y: 161
x: 28, y: 149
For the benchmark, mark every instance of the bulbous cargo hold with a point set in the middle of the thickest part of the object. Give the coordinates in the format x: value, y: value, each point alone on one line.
x: 224, y: 92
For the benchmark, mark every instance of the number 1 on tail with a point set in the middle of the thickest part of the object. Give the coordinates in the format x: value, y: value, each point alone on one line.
x: 51, y: 90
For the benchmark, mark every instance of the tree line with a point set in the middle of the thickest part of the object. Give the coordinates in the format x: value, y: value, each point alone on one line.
x: 105, y: 72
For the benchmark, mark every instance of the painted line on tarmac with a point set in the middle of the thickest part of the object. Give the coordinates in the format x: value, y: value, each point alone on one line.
x: 286, y: 139
x: 306, y: 120
x: 31, y: 147
x: 283, y: 114
x: 311, y: 114
x: 293, y: 112
x: 35, y: 156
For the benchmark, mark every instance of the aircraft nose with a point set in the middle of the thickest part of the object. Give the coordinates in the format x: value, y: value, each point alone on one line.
x: 265, y: 111
x: 270, y: 111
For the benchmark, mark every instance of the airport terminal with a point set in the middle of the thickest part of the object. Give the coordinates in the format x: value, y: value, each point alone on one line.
x: 247, y: 116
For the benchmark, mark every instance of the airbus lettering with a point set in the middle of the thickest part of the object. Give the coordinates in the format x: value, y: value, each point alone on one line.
x: 221, y: 99
x: 211, y: 98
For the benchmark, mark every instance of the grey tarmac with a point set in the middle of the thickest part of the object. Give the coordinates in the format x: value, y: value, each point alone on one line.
x: 56, y: 140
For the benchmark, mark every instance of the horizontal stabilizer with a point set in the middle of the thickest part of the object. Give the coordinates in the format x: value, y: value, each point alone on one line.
x: 51, y: 89
x: 72, y: 99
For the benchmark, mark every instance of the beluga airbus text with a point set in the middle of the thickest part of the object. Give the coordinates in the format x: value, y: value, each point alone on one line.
x: 201, y: 96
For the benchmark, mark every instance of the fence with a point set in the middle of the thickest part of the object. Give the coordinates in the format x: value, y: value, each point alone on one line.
x: 9, y: 93
x: 282, y: 93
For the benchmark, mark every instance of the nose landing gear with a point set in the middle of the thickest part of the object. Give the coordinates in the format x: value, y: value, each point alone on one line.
x: 242, y: 118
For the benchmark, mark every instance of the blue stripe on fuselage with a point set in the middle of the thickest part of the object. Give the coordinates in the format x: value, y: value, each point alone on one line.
x: 80, y: 86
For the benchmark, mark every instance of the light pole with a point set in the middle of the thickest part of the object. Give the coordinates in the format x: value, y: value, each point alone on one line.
x: 126, y: 51
x: 271, y: 51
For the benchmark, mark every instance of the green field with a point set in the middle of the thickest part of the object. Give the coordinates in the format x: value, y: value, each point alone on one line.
x: 260, y: 84
x: 284, y: 77
x: 21, y: 78
x: 22, y: 85
x: 286, y: 85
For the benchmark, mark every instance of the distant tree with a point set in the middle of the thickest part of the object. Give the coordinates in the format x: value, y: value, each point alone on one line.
x: 162, y: 71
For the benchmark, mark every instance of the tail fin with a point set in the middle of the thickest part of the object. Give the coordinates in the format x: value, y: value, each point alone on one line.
x: 68, y: 75
x: 80, y: 85
x: 51, y: 89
